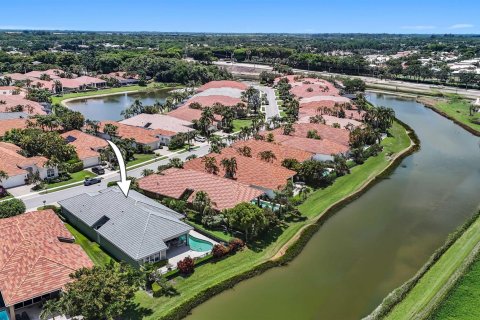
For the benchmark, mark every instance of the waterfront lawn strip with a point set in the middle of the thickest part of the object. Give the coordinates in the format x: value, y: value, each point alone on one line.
x: 460, y: 111
x: 93, y: 250
x: 438, y: 275
x: 211, y: 274
x: 462, y: 301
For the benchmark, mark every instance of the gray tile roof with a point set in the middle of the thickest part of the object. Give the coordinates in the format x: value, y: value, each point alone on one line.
x: 137, y: 225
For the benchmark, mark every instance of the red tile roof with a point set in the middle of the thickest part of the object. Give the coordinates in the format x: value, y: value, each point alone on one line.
x: 250, y: 171
x: 324, y: 146
x: 208, y: 101
x: 281, y: 152
x: 223, y: 84
x: 9, y: 124
x: 33, y: 261
x: 141, y: 135
x: 12, y: 162
x: 15, y: 100
x: 224, y: 193
x: 86, y: 145
x: 189, y: 114
x: 340, y: 136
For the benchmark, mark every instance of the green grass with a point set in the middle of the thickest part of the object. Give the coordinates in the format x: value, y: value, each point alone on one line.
x: 74, y: 177
x: 459, y: 110
x: 219, y: 234
x: 139, y: 158
x: 151, y: 85
x: 211, y: 274
x: 238, y: 124
x: 462, y: 301
x: 93, y: 250
x: 438, y: 275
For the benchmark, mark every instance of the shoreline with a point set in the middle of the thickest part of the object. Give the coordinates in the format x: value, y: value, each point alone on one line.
x: 294, y: 246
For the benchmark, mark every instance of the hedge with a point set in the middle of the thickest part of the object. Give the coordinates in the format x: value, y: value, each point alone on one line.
x: 294, y: 250
x: 11, y: 208
x: 75, y: 167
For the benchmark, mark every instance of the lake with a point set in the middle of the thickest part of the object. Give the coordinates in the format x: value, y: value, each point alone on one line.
x: 110, y: 107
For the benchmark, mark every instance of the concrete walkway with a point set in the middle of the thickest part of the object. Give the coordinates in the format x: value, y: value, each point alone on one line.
x: 271, y: 109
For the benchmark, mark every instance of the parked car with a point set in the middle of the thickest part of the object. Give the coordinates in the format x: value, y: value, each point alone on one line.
x: 98, y: 170
x: 90, y: 181
x: 200, y: 139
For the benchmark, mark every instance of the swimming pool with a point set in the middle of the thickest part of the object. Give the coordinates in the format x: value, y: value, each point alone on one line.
x: 4, y: 315
x: 198, y: 244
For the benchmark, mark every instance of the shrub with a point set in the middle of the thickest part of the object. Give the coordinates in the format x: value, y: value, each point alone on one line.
x: 11, y: 208
x: 186, y: 266
x: 163, y: 287
x: 219, y: 250
x: 56, y: 209
x: 112, y: 184
x: 75, y: 167
x: 235, y: 245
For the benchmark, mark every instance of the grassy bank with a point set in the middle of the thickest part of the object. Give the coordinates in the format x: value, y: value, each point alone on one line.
x: 419, y: 296
x: 74, y: 177
x: 462, y: 301
x: 213, y: 278
x: 457, y: 110
x: 238, y: 124
x: 150, y: 86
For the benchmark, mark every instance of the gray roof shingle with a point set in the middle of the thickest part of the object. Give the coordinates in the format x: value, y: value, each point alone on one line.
x: 137, y: 225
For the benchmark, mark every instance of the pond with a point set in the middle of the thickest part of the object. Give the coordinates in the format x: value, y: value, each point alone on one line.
x: 110, y: 107
x: 377, y: 242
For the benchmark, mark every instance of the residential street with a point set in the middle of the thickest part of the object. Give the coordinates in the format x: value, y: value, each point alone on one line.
x: 271, y: 110
x: 34, y: 201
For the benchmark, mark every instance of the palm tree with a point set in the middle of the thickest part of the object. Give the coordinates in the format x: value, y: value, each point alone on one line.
x: 267, y: 155
x: 245, y: 151
x: 230, y: 167
x: 147, y: 172
x: 176, y: 163
x: 3, y: 176
x: 288, y: 128
x: 202, y: 203
x: 210, y: 164
x: 57, y: 86
x: 110, y: 129
x: 340, y: 165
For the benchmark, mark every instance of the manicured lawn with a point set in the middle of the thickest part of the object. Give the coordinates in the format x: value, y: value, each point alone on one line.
x: 211, y: 274
x: 108, y: 91
x: 438, y: 275
x: 238, y: 124
x: 219, y: 234
x: 459, y: 110
x: 462, y: 301
x: 93, y: 250
x: 139, y: 158
x: 74, y: 177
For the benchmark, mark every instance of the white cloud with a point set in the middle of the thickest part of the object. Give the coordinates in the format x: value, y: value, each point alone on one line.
x: 420, y: 27
x: 461, y: 26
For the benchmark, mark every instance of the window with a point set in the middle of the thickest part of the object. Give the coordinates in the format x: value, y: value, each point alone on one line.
x: 50, y: 173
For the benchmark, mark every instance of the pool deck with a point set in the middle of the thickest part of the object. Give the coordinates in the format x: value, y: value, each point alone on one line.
x: 181, y: 253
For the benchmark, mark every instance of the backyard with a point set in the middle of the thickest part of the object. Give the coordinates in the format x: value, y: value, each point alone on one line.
x: 93, y: 250
x: 266, y: 248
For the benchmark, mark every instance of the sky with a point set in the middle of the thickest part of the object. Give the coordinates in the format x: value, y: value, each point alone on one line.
x: 246, y: 16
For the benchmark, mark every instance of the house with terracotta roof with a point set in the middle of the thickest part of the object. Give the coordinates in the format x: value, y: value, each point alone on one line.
x: 9, y: 124
x: 153, y: 138
x: 159, y: 121
x: 330, y: 140
x: 87, y: 146
x: 8, y: 90
x: 186, y: 183
x: 17, y: 103
x: 280, y: 152
x: 38, y: 255
x: 223, y: 84
x: 91, y: 82
x: 189, y: 114
x: 255, y: 173
x: 18, y: 167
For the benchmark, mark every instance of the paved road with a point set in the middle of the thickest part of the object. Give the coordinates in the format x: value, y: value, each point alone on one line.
x: 387, y: 84
x: 271, y: 110
x: 36, y: 200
